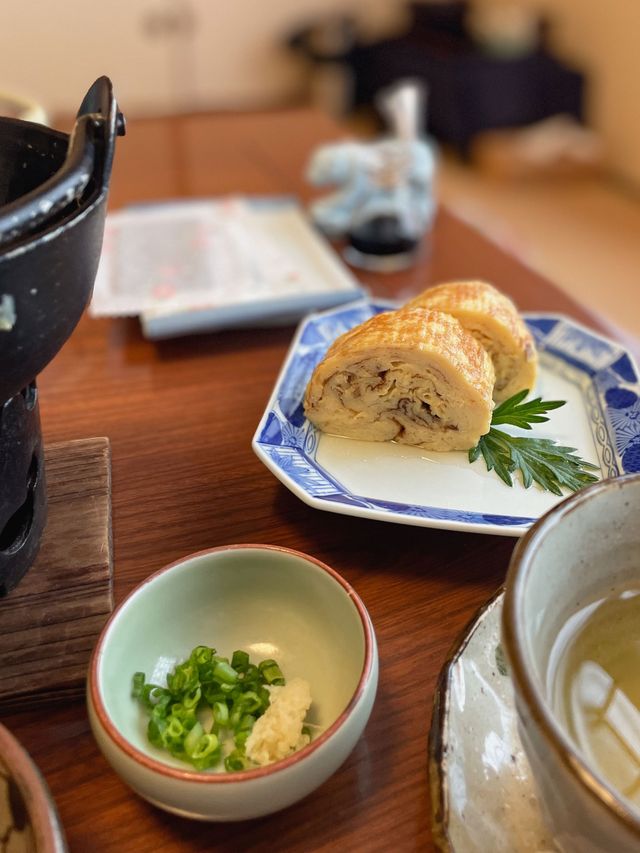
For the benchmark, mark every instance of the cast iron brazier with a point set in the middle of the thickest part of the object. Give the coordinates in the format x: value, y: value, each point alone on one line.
x: 53, y: 193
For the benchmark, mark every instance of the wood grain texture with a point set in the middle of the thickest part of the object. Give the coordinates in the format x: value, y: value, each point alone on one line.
x: 180, y: 416
x: 50, y: 622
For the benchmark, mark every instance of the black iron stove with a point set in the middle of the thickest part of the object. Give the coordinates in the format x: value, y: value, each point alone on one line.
x: 53, y: 193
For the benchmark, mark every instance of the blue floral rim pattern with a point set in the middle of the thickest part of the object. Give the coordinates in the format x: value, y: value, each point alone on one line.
x: 288, y: 442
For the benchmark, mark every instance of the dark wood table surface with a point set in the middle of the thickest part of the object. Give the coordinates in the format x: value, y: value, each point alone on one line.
x: 180, y: 416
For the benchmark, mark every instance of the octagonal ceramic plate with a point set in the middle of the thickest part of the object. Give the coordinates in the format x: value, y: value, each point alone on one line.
x: 391, y: 482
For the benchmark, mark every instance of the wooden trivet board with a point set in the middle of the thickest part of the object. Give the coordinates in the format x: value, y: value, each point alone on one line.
x: 50, y: 622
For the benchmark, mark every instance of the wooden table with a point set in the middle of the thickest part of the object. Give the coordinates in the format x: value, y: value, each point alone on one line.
x: 180, y: 416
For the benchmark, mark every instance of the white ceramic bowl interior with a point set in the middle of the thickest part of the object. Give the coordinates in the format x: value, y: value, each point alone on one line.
x: 584, y: 548
x: 270, y: 602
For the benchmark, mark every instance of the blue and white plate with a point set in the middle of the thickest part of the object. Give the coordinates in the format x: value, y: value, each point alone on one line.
x: 392, y: 482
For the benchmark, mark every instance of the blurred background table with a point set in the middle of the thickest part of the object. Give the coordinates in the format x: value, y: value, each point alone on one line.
x: 180, y: 416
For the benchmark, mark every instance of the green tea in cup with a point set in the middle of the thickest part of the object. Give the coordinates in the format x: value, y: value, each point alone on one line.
x: 594, y: 685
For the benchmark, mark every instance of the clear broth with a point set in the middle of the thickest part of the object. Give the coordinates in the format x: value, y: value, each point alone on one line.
x: 595, y: 687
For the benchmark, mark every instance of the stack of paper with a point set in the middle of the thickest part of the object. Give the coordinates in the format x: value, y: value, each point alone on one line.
x: 189, y: 267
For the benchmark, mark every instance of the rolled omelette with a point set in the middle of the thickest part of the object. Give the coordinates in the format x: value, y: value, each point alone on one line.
x: 412, y: 376
x: 493, y: 320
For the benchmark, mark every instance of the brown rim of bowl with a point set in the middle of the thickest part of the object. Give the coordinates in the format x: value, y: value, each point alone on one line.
x: 439, y: 721
x: 598, y: 789
x: 240, y: 775
x: 38, y: 801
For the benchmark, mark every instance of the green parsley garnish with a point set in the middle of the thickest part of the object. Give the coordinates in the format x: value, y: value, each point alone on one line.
x: 208, y: 702
x: 538, y: 460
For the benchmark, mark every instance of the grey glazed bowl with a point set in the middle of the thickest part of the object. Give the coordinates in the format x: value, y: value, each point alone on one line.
x: 585, y: 547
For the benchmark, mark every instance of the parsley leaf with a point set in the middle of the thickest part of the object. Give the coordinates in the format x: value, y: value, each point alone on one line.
x: 538, y: 460
x: 513, y: 411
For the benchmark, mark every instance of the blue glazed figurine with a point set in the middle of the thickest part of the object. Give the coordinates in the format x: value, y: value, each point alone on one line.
x: 384, y: 203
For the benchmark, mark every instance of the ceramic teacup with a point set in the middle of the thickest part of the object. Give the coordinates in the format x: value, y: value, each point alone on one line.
x: 584, y: 548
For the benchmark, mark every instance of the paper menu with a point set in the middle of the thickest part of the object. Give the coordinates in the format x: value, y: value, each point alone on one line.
x: 193, y: 266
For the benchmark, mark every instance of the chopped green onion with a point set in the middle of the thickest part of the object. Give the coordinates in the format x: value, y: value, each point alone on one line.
x: 155, y: 732
x: 236, y: 760
x: 158, y: 702
x: 181, y: 712
x: 192, y: 698
x: 265, y: 698
x: 175, y: 729
x: 250, y: 701
x: 146, y: 692
x: 206, y: 745
x: 224, y: 673
x: 201, y: 655
x: 240, y: 738
x: 271, y: 672
x: 220, y: 714
x: 174, y: 735
x: 235, y: 717
x: 240, y: 661
x: 138, y: 684
x: 192, y: 739
x: 213, y: 694
x: 235, y: 694
x: 246, y: 723
x: 252, y: 673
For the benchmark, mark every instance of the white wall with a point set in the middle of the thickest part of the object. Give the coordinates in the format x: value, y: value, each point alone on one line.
x: 603, y: 38
x: 229, y: 58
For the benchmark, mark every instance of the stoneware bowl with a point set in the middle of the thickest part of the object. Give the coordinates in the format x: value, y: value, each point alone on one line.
x: 581, y: 550
x: 28, y: 818
x: 270, y: 602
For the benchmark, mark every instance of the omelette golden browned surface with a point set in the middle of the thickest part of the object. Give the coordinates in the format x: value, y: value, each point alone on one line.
x: 412, y: 376
x: 493, y: 320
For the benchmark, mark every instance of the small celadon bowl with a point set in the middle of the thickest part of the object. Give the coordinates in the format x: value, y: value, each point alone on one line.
x: 270, y: 602
x: 583, y: 549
